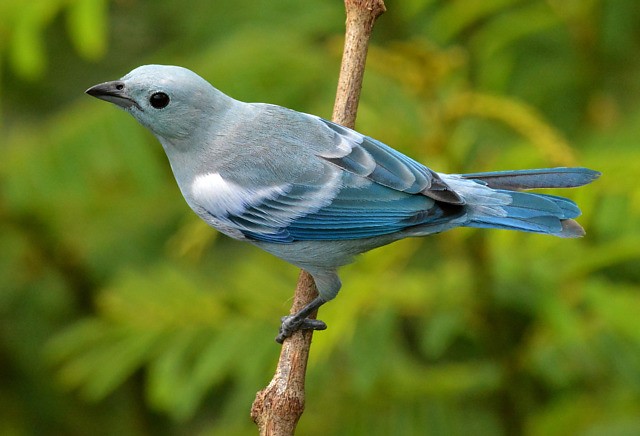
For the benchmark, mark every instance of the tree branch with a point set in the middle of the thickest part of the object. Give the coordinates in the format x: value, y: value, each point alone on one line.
x: 278, y: 407
x: 361, y: 16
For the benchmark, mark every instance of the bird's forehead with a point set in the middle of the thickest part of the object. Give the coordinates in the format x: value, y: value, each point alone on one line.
x: 161, y: 75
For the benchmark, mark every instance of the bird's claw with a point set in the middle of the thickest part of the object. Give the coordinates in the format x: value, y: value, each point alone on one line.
x: 292, y: 323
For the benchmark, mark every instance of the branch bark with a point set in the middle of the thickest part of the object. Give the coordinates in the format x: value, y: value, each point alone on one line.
x: 278, y: 407
x: 361, y: 16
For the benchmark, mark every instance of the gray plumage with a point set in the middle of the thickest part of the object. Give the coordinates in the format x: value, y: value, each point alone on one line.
x: 315, y: 193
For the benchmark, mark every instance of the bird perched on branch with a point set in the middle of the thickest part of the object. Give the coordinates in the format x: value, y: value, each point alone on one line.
x: 315, y: 193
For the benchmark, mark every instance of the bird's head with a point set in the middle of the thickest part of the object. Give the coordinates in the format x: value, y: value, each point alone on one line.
x: 171, y: 101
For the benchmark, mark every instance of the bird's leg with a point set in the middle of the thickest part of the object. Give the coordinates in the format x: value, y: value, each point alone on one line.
x: 299, y: 320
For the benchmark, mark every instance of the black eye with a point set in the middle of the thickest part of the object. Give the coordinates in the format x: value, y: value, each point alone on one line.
x: 159, y: 100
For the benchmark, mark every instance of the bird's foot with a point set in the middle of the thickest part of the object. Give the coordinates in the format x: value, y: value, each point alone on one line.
x: 301, y: 321
x: 293, y: 323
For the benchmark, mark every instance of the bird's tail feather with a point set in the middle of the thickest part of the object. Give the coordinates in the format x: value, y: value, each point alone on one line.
x: 537, y: 213
x: 560, y: 177
x: 532, y: 212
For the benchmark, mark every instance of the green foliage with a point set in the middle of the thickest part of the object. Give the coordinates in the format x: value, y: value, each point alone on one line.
x: 122, y: 313
x: 25, y: 25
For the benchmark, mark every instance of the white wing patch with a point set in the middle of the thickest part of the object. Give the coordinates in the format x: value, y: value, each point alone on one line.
x: 221, y: 197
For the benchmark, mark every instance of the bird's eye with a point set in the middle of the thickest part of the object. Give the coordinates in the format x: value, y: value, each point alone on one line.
x: 159, y: 100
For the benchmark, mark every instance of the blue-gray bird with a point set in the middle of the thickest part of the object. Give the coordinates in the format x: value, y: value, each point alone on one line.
x: 315, y: 193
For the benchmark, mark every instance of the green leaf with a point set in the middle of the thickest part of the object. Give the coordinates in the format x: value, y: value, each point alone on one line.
x: 87, y: 23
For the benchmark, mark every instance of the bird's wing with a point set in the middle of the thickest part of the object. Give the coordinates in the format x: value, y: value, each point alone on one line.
x: 359, y: 209
x: 367, y: 157
x: 366, y: 189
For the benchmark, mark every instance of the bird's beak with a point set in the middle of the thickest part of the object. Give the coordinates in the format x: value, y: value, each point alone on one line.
x: 114, y: 92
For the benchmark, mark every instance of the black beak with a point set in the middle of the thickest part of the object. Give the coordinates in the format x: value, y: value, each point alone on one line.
x: 114, y: 92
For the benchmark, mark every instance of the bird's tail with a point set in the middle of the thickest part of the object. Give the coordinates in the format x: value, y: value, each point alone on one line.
x: 504, y: 207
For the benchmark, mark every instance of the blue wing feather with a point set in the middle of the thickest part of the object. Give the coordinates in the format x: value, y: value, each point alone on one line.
x: 361, y: 211
x: 388, y: 167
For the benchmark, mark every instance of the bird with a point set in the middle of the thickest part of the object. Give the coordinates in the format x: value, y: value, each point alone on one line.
x: 317, y: 194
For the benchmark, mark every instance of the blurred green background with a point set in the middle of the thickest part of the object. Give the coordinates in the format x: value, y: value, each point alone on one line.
x: 121, y: 313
